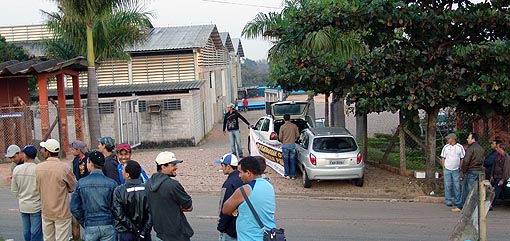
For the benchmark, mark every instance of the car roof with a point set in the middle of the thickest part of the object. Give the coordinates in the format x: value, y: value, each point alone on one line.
x: 326, y: 131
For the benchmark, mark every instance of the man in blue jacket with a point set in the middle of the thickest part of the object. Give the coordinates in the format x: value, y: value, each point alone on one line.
x: 227, y: 223
x: 92, y: 201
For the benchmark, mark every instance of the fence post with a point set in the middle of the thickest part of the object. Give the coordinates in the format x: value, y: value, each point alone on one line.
x: 482, y: 212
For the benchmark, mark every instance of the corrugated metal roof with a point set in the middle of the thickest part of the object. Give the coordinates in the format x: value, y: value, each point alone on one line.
x: 227, y: 42
x: 175, y: 38
x: 238, y: 47
x: 41, y: 65
x: 139, y: 89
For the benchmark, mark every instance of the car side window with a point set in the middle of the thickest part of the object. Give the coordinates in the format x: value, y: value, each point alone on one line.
x: 265, y: 125
x: 259, y: 124
x: 303, y: 140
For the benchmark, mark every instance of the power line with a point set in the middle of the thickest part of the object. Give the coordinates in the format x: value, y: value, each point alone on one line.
x: 241, y: 4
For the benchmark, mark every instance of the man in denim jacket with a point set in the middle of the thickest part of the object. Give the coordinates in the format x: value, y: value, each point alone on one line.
x: 92, y: 201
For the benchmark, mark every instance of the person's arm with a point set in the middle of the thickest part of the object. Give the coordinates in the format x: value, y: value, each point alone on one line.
x: 235, y: 200
x: 225, y: 121
x: 14, y: 186
x: 467, y: 160
x: 118, y: 211
x: 442, y: 162
x: 70, y: 180
x: 76, y: 207
x: 183, y: 199
x: 506, y: 169
x: 148, y: 225
x: 244, y: 119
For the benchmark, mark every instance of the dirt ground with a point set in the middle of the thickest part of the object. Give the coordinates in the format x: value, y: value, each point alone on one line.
x: 201, y: 176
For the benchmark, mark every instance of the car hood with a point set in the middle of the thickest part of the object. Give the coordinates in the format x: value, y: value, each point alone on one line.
x: 296, y: 109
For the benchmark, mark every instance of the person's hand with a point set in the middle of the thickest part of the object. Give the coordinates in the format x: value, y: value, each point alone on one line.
x: 187, y: 209
x: 9, y: 178
x: 250, y: 126
x: 141, y: 235
x: 224, y: 133
x: 500, y: 183
x: 235, y: 213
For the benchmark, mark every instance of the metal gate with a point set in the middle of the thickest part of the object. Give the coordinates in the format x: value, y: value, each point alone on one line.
x: 129, y: 121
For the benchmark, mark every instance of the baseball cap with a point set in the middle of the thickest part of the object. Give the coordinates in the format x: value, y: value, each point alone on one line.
x: 12, y: 150
x: 228, y: 159
x: 30, y: 151
x: 80, y: 145
x: 107, y: 141
x: 167, y: 157
x: 124, y: 146
x: 230, y: 105
x: 97, y: 158
x: 451, y: 136
x: 51, y: 145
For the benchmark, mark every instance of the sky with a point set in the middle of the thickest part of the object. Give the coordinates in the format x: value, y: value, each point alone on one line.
x: 228, y: 15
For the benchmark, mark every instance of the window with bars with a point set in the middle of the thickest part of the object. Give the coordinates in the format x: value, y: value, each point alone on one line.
x: 106, y: 108
x: 172, y: 104
x: 142, y: 106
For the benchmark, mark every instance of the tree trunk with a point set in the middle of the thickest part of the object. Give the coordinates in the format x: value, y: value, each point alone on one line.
x: 311, y: 102
x: 431, y: 146
x: 338, y: 113
x: 92, y: 90
x: 326, y: 110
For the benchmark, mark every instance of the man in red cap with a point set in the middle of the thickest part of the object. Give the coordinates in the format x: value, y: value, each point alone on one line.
x: 124, y: 155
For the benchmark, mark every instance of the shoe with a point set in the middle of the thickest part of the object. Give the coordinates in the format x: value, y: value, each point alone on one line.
x: 456, y: 209
x: 449, y: 205
x: 293, y: 178
x: 287, y: 177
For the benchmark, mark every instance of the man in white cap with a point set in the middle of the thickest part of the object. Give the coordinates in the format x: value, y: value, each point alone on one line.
x: 452, y: 156
x: 55, y: 181
x: 168, y: 200
x: 13, y: 152
x: 231, y: 124
x: 227, y: 223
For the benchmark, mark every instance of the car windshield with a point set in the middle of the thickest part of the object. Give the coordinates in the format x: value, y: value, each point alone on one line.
x: 289, y: 108
x: 334, y: 144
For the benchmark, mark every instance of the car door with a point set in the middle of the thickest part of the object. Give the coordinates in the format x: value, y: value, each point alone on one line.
x: 302, y: 150
x: 262, y: 128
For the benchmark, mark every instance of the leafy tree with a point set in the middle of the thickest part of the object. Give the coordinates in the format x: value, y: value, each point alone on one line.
x: 11, y: 52
x: 422, y: 55
x: 290, y: 57
x: 255, y: 72
x: 100, y: 29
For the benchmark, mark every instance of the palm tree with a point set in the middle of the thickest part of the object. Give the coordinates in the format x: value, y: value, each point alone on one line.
x: 270, y: 26
x: 100, y: 29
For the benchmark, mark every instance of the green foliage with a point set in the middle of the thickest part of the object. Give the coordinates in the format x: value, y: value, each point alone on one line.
x: 255, y: 72
x: 11, y: 52
x: 114, y: 28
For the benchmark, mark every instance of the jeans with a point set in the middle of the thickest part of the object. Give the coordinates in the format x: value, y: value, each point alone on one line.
x: 32, y: 226
x: 289, y: 160
x: 451, y: 177
x: 470, y: 180
x: 497, y: 189
x: 235, y: 140
x: 226, y: 237
x: 102, y: 233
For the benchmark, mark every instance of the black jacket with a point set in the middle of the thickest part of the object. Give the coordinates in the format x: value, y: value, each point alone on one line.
x: 131, y: 208
x: 166, y: 197
x: 110, y: 167
x: 227, y: 223
x: 231, y: 121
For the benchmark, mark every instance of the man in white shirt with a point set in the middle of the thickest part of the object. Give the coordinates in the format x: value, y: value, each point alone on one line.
x: 452, y: 156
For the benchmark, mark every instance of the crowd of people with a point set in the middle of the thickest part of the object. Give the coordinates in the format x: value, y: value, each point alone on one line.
x: 460, y: 164
x: 111, y: 198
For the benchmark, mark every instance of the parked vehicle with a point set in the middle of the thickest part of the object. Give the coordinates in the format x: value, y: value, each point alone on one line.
x: 329, y: 153
x: 268, y: 127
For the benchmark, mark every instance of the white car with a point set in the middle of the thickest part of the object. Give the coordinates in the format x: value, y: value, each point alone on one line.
x: 329, y: 153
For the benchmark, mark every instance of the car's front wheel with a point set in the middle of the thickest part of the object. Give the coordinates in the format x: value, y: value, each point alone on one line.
x: 307, y: 183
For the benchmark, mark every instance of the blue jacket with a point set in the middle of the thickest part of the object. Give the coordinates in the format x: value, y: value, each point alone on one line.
x: 143, y: 176
x: 92, y: 200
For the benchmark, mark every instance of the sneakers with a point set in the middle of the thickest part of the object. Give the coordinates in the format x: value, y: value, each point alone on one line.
x: 293, y: 178
x: 287, y: 177
x: 456, y: 209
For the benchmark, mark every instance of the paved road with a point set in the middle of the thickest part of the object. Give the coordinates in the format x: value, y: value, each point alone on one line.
x: 314, y: 219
